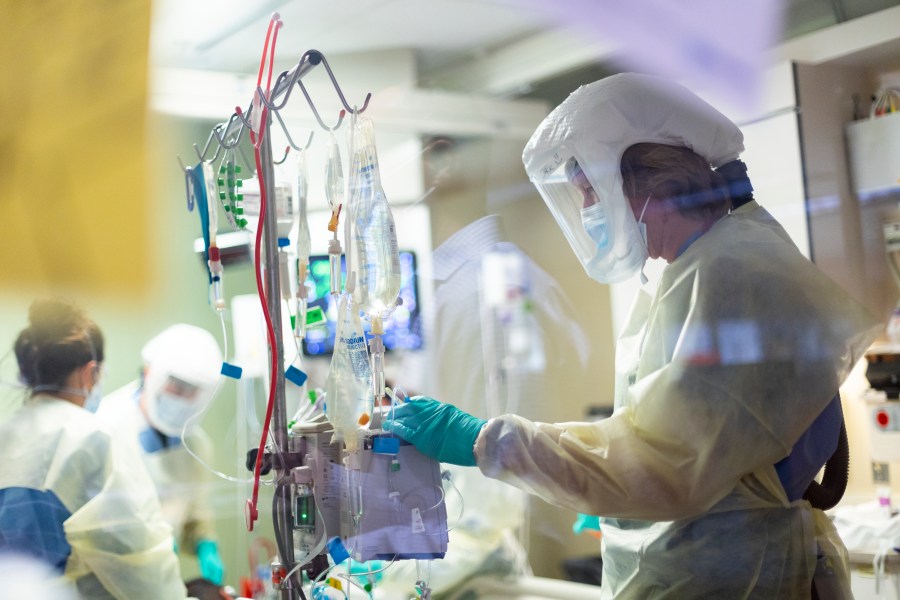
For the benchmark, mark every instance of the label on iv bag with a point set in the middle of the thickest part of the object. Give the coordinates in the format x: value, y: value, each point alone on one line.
x: 404, y: 514
x: 325, y: 458
x: 417, y: 525
x: 359, y: 358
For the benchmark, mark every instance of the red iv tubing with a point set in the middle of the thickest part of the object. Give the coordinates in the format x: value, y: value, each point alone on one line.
x: 274, y: 24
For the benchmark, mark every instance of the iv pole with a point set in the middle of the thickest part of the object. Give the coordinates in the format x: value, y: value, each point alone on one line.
x: 283, y: 86
x: 279, y: 412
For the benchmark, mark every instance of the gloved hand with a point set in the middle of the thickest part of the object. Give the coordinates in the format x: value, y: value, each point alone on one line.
x: 587, y: 524
x: 211, y: 566
x: 438, y: 430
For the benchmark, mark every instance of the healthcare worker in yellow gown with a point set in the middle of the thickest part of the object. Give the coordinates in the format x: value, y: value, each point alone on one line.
x: 181, y: 370
x: 726, y: 372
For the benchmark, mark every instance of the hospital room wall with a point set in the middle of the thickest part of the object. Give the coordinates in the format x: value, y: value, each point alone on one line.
x: 174, y: 291
x: 845, y: 230
x: 488, y: 178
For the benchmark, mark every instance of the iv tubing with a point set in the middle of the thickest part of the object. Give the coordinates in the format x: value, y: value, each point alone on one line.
x: 271, y: 338
x: 187, y: 423
x: 317, y: 581
x: 270, y: 329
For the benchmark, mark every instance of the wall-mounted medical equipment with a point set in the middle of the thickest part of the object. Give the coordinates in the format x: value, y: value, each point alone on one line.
x: 882, y: 410
x: 403, y: 329
x: 873, y: 148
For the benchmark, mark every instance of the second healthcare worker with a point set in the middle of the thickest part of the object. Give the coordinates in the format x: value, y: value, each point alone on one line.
x: 181, y: 368
x: 726, y: 374
x: 72, y: 496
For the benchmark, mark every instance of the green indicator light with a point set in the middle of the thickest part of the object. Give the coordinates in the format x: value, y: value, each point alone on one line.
x: 315, y: 316
x: 304, y: 513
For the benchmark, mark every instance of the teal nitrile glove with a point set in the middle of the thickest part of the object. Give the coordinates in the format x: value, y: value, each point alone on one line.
x: 211, y: 566
x: 585, y: 522
x: 438, y: 430
x: 367, y: 572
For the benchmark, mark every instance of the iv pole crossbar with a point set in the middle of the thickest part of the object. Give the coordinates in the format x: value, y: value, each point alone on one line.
x: 228, y: 135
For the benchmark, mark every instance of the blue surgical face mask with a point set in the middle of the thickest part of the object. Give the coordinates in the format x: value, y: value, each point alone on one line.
x: 595, y: 220
x: 93, y: 398
x: 172, y: 412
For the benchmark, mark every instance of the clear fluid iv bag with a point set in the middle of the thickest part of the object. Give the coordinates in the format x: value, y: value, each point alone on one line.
x: 302, y: 247
x: 209, y: 180
x: 373, y: 234
x: 334, y: 174
x: 349, y: 376
x: 300, y: 214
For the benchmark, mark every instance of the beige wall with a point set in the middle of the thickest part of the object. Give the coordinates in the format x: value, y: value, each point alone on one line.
x: 845, y: 232
x: 175, y: 293
x: 482, y: 177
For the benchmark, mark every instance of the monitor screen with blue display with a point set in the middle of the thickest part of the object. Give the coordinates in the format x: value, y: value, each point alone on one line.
x: 402, y: 330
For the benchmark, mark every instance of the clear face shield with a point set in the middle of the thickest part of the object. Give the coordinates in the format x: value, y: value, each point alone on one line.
x: 595, y: 218
x: 171, y: 401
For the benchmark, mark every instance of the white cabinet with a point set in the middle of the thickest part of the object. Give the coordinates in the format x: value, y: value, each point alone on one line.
x: 873, y: 148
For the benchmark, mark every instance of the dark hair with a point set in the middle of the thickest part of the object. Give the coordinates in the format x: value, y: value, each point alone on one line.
x: 678, y: 173
x: 59, y: 339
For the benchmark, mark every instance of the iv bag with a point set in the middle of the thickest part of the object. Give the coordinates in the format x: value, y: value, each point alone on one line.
x: 211, y: 194
x: 349, y: 376
x: 300, y: 214
x: 334, y: 174
x: 374, y: 235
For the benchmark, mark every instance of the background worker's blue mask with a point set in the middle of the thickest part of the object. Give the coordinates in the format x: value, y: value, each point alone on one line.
x: 93, y: 398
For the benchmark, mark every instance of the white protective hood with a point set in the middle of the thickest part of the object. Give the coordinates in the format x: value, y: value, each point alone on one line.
x: 183, y: 357
x: 595, y: 125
